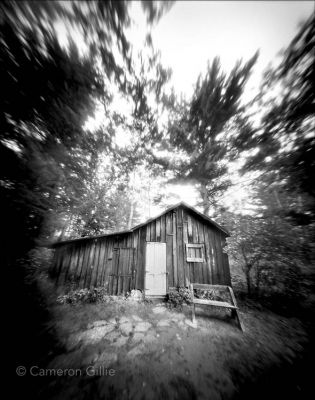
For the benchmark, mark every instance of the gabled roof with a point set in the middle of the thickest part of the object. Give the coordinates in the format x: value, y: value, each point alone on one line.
x: 181, y: 204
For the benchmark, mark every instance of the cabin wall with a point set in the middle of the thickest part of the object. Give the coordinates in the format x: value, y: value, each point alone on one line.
x: 178, y: 228
x: 94, y: 263
x: 118, y: 262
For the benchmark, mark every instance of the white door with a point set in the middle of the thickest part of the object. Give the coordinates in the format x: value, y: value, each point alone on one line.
x: 155, y: 269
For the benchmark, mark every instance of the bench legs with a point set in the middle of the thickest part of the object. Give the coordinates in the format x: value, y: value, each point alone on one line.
x: 234, y: 313
x: 193, y: 311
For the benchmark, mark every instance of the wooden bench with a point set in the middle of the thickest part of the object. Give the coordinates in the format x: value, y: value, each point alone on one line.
x: 232, y: 306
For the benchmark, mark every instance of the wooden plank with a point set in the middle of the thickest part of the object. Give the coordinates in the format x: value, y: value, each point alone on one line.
x: 141, y: 260
x: 52, y: 268
x: 169, y: 250
x: 114, y: 273
x: 130, y: 269
x: 135, y: 237
x: 100, y: 263
x: 153, y: 231
x: 85, y: 264
x: 190, y: 229
x: 163, y: 228
x: 148, y: 232
x: 62, y: 252
x: 180, y: 251
x: 213, y: 254
x: 209, y: 287
x: 204, y: 266
x: 120, y: 266
x: 169, y: 223
x: 223, y: 304
x: 236, y: 314
x: 174, y: 218
x: 80, y: 263
x: 195, y: 245
x: 90, y: 265
x: 200, y: 263
x: 185, y: 243
x: 108, y: 261
x: 65, y: 265
x: 219, y: 255
x: 71, y: 275
x: 196, y: 260
x: 197, y: 266
x: 208, y: 254
x: 57, y: 269
x: 98, y: 245
x: 158, y: 230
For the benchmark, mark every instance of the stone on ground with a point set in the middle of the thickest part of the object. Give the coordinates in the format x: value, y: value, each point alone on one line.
x: 126, y: 328
x: 106, y: 359
x: 163, y: 323
x: 136, y: 351
x: 142, y: 326
x: 95, y: 334
x: 149, y: 338
x: 158, y: 310
x: 123, y: 319
x: 138, y: 336
x: 113, y: 335
x: 136, y: 318
x: 96, y: 324
x: 120, y: 342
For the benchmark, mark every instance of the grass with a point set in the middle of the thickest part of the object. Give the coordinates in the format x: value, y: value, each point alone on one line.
x: 215, y: 361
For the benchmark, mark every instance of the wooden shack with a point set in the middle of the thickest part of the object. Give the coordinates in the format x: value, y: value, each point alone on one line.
x: 178, y: 247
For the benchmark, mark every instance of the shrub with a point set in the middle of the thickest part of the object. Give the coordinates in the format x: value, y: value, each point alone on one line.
x: 179, y: 297
x: 211, y: 294
x: 95, y: 295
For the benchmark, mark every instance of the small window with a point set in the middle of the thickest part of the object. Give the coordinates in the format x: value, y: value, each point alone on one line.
x: 195, y: 252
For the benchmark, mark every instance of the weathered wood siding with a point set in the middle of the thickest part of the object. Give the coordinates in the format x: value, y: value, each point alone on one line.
x: 118, y: 262
x: 180, y: 227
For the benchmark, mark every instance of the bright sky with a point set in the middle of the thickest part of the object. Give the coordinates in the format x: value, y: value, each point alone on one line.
x: 193, y: 32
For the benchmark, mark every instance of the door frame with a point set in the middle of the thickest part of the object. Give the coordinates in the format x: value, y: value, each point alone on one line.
x: 145, y: 267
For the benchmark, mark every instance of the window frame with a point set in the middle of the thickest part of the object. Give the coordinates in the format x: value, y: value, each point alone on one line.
x: 200, y: 246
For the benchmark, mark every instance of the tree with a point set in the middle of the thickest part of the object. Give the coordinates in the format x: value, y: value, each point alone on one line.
x: 47, y: 92
x: 285, y: 138
x: 269, y: 251
x: 146, y: 96
x: 200, y: 128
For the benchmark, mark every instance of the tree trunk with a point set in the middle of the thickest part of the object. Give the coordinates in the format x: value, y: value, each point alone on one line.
x: 248, y: 282
x: 132, y: 207
x: 205, y: 200
x: 258, y: 279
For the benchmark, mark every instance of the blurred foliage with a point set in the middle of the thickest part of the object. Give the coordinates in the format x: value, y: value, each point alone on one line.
x: 79, y: 296
x: 199, y: 128
x: 45, y: 154
x: 49, y: 162
x: 285, y: 137
x: 272, y: 253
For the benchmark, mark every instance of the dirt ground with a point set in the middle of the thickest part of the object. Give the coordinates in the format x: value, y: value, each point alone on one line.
x: 129, y: 350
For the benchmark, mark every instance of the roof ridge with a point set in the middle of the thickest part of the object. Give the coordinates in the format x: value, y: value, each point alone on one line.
x: 181, y: 203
